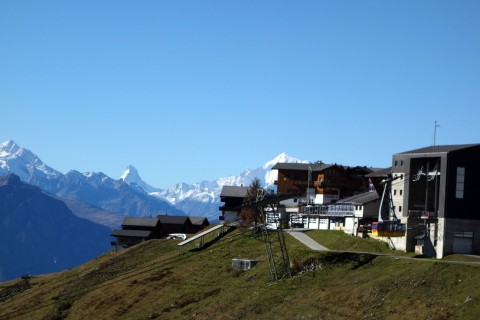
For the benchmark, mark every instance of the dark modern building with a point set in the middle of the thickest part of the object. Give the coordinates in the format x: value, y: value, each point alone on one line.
x: 435, y: 194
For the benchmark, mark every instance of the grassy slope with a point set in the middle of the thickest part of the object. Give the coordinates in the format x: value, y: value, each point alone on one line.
x: 152, y: 281
x: 338, y: 240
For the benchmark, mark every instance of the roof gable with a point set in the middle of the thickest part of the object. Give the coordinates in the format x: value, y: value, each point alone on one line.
x: 361, y: 198
x: 234, y: 191
x: 174, y: 219
x: 302, y: 166
x: 140, y: 222
x: 441, y: 149
x: 199, y: 220
x: 381, y: 173
x: 132, y: 233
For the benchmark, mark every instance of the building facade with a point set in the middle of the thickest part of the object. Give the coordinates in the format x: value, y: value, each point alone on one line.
x: 317, y: 190
x: 435, y: 195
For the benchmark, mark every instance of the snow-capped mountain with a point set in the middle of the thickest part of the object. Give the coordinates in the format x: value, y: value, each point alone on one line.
x: 25, y: 164
x: 131, y: 176
x: 130, y: 195
x: 203, y: 198
x: 93, y: 188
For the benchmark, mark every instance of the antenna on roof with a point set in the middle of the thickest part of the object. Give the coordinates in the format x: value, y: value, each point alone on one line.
x: 435, y: 126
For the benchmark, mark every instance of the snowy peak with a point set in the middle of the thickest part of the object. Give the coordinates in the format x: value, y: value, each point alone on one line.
x: 8, y: 147
x: 10, y: 150
x: 21, y: 161
x: 282, y: 158
x: 131, y: 176
x: 272, y: 175
x: 191, y: 195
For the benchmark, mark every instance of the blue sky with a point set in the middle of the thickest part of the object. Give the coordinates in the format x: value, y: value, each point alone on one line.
x: 194, y: 90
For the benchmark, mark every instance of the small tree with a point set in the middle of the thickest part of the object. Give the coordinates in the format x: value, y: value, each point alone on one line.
x: 250, y: 215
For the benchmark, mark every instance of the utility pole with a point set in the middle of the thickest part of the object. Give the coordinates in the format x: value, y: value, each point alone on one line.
x: 435, y: 126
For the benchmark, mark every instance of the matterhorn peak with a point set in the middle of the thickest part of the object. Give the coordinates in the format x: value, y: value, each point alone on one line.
x: 131, y: 175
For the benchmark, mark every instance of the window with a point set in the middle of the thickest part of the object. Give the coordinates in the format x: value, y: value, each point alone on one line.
x: 401, y: 163
x: 399, y: 208
x: 395, y: 192
x: 460, y: 183
x: 396, y: 163
x: 401, y: 191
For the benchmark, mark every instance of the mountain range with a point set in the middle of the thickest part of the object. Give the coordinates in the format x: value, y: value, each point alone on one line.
x: 203, y: 198
x: 51, y: 221
x: 102, y: 199
x: 92, y: 195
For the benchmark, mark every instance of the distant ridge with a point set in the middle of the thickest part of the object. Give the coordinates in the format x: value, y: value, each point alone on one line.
x: 39, y: 231
x: 95, y: 189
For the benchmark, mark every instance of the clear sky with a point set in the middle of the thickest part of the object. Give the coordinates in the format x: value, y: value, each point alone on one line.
x: 195, y: 90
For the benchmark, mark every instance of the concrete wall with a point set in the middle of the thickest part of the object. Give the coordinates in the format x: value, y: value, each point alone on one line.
x: 457, y: 225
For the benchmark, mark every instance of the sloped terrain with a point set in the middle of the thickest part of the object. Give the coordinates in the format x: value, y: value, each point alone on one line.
x: 39, y: 234
x: 154, y: 281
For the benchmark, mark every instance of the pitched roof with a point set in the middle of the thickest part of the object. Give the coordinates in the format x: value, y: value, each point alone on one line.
x: 234, y: 191
x: 302, y: 166
x: 441, y: 149
x: 132, y: 233
x: 198, y: 220
x: 379, y: 173
x: 173, y: 219
x: 140, y: 222
x: 361, y: 198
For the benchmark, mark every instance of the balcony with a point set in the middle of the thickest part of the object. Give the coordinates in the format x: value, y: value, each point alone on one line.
x: 325, y: 210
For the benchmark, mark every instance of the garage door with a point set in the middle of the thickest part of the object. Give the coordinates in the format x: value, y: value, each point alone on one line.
x: 463, y: 242
x: 313, y: 223
x: 323, y: 224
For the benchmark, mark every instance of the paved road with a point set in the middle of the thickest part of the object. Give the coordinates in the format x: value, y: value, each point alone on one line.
x: 306, y: 240
x: 300, y: 235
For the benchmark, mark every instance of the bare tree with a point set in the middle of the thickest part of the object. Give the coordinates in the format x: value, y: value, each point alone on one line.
x: 251, y: 214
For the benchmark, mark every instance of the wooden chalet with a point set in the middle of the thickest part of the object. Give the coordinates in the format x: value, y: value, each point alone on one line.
x: 319, y: 182
x: 175, y: 224
x: 199, y: 223
x: 232, y: 197
x: 136, y: 230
